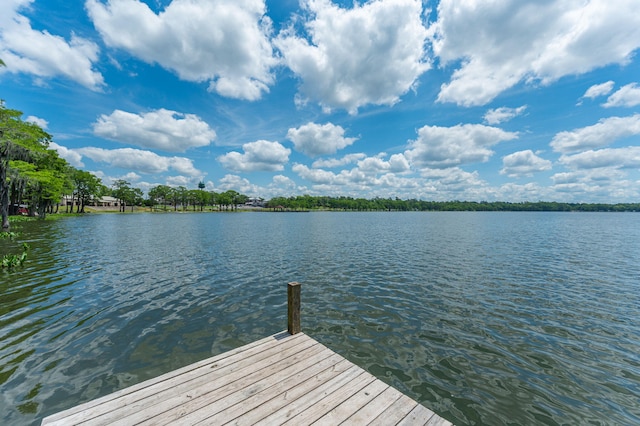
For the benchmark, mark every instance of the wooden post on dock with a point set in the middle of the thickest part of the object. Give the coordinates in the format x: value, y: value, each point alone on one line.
x: 293, y: 308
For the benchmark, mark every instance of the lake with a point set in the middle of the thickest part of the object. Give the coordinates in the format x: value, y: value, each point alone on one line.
x: 487, y: 318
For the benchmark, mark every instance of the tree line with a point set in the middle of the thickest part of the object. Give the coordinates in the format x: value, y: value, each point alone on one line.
x: 308, y: 202
x: 35, y: 176
x: 163, y: 197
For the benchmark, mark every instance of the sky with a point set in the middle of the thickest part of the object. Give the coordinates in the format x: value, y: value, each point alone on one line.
x: 476, y: 100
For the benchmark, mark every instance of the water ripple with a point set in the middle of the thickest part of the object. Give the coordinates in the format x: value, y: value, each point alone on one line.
x: 487, y: 318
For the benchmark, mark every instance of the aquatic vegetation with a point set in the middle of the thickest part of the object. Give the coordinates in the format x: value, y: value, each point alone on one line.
x: 14, y: 219
x: 8, y: 235
x: 13, y: 260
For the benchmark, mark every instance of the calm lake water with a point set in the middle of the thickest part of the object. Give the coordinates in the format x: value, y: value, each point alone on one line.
x: 487, y: 318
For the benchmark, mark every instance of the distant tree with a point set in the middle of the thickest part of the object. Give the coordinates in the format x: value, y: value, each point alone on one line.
x: 137, y: 197
x: 241, y: 199
x: 119, y: 190
x: 87, y: 188
x: 197, y: 197
x: 224, y: 200
x: 122, y: 190
x: 161, y: 194
x: 213, y: 198
x: 41, y: 184
x: 65, y: 171
x: 229, y: 199
x: 54, y: 179
x: 233, y: 197
x: 179, y: 197
x: 277, y: 202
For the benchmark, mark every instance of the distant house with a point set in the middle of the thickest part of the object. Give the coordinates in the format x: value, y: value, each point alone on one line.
x: 105, y: 201
x: 255, y: 202
x: 66, y: 201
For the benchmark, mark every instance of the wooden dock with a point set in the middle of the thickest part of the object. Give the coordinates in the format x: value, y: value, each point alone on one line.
x: 282, y: 379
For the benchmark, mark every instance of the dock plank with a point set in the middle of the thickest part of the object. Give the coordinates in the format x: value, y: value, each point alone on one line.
x: 420, y: 415
x: 189, y: 369
x: 311, y: 397
x: 377, y: 406
x: 309, y: 379
x: 248, y: 399
x: 202, y: 393
x: 353, y: 404
x: 395, y: 412
x: 126, y: 397
x: 330, y: 401
x: 199, y: 409
x: 281, y: 379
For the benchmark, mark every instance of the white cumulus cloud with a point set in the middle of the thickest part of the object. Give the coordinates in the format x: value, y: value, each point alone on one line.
x: 161, y: 129
x: 319, y: 139
x: 181, y: 181
x: 443, y: 147
x: 589, y: 176
x: 240, y: 184
x: 319, y: 176
x: 628, y: 157
x: 500, y: 115
x: 372, y: 53
x: 42, y: 54
x: 598, y: 90
x: 37, y: 120
x: 626, y: 96
x: 369, y: 173
x: 603, y: 133
x: 523, y: 163
x: 397, y: 163
x: 331, y: 163
x: 258, y: 156
x: 73, y: 157
x: 502, y: 43
x: 224, y: 42
x: 606, y: 184
x: 456, y: 184
x: 282, y: 182
x: 131, y: 177
x: 140, y: 160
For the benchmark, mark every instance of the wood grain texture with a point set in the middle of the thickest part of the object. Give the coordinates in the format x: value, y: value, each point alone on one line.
x: 282, y: 379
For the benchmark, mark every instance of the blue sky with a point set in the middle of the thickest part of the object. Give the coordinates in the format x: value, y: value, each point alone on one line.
x: 511, y: 100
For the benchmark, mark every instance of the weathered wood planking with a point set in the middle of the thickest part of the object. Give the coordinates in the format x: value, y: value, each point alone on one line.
x: 282, y: 379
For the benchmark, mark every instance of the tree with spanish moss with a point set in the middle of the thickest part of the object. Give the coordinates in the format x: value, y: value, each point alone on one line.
x: 19, y: 141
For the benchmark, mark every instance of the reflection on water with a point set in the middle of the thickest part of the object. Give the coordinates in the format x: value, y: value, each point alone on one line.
x: 488, y: 318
